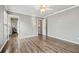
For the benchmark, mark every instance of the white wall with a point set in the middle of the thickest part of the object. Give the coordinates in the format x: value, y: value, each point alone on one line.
x: 65, y: 25
x: 27, y: 25
x: 3, y: 27
x: 44, y: 26
x: 9, y: 25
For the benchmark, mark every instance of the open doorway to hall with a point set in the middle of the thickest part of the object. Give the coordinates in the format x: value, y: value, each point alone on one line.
x: 42, y: 26
x: 39, y: 27
x: 13, y: 25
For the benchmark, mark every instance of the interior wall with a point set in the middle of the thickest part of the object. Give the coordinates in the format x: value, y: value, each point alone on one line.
x: 44, y: 26
x: 65, y: 25
x: 3, y: 26
x: 9, y: 25
x: 27, y: 25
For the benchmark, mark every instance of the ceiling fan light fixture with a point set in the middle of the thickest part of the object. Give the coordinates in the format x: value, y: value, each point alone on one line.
x: 43, y: 9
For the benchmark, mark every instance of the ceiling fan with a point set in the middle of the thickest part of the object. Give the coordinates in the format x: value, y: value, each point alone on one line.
x: 44, y: 8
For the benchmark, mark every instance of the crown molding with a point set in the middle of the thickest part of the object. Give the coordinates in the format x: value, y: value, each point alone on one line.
x: 66, y: 9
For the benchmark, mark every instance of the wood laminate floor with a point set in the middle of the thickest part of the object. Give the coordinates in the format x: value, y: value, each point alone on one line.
x: 39, y: 44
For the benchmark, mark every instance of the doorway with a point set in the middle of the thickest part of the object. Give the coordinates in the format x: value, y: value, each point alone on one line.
x: 42, y: 27
x: 39, y: 27
x: 14, y: 25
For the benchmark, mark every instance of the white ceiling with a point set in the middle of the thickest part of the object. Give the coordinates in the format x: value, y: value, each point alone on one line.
x: 34, y: 10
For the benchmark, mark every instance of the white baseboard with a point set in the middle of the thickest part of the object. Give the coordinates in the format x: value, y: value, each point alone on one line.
x: 64, y: 39
x: 3, y: 45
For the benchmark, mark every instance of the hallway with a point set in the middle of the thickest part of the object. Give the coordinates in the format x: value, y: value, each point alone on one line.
x: 39, y: 44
